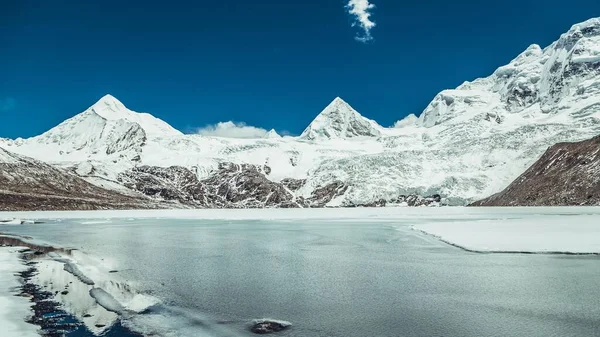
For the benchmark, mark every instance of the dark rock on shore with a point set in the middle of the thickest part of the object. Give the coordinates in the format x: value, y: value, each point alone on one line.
x: 568, y: 174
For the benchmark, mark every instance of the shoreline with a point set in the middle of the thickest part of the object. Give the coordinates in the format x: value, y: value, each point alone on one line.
x: 364, y: 214
x: 42, y: 313
x: 536, y: 236
x: 515, y: 252
x: 75, y: 295
x: 14, y: 309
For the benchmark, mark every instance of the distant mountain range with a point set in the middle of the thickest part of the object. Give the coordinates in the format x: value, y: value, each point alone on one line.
x: 469, y: 143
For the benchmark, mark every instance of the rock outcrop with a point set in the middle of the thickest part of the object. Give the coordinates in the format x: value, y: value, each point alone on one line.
x: 231, y: 186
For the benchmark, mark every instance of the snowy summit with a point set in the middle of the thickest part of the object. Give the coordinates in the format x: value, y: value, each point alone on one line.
x: 340, y: 120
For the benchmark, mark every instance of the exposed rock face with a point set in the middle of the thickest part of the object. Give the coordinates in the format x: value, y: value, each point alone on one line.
x: 321, y: 196
x: 28, y: 184
x: 167, y: 183
x: 568, y: 174
x: 412, y: 200
x: 293, y: 184
x: 242, y: 186
x: 231, y: 186
x: 245, y: 186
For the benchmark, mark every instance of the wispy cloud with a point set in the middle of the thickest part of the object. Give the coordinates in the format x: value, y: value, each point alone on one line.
x: 7, y: 104
x: 232, y: 130
x: 361, y: 10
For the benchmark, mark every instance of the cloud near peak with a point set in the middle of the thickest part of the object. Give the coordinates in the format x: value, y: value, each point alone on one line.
x: 232, y: 130
x: 361, y: 10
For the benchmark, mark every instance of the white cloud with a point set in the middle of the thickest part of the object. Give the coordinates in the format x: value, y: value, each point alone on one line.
x: 409, y: 120
x: 7, y: 104
x: 232, y: 130
x: 361, y: 10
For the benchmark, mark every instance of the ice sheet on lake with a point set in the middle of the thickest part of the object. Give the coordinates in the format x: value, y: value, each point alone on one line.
x: 577, y: 234
x: 13, y: 309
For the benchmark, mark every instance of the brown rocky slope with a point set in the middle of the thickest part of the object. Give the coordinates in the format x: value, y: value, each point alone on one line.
x: 568, y: 174
x: 29, y: 184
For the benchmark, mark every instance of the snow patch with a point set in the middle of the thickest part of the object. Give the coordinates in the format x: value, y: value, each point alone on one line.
x: 539, y: 234
x: 107, y: 301
x: 13, y: 309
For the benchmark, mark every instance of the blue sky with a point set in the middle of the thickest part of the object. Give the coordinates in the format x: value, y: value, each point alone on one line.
x: 271, y: 64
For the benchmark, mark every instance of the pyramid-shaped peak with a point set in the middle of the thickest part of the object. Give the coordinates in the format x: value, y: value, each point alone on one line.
x: 110, y: 107
x: 108, y: 98
x: 340, y: 120
x: 272, y: 134
x: 338, y: 101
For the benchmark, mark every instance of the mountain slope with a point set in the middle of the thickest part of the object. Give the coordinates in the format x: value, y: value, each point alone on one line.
x: 106, y: 130
x: 568, y: 174
x: 28, y: 184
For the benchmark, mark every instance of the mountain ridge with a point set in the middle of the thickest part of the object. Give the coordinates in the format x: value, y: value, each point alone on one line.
x: 469, y: 142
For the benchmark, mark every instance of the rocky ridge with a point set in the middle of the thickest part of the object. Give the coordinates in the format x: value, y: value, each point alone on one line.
x: 568, y: 174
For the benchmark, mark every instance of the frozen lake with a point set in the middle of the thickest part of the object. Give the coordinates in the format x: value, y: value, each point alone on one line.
x: 336, y: 273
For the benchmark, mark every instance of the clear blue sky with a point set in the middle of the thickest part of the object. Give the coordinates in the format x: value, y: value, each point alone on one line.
x: 273, y: 64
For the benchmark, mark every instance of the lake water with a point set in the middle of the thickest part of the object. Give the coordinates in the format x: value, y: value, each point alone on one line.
x: 334, y: 278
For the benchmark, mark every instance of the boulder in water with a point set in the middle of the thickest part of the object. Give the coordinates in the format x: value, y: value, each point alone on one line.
x: 267, y: 326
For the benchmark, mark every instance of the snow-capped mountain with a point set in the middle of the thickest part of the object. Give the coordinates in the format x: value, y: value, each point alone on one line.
x: 340, y: 120
x: 106, y: 128
x: 468, y: 143
x: 272, y: 134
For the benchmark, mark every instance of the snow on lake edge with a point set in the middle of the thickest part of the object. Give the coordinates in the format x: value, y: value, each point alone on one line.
x: 560, y: 234
x: 353, y: 214
x: 13, y: 309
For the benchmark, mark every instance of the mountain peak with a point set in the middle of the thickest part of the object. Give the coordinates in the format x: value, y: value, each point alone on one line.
x: 340, y: 120
x: 272, y: 134
x: 110, y: 108
x: 593, y: 23
x: 337, y: 102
